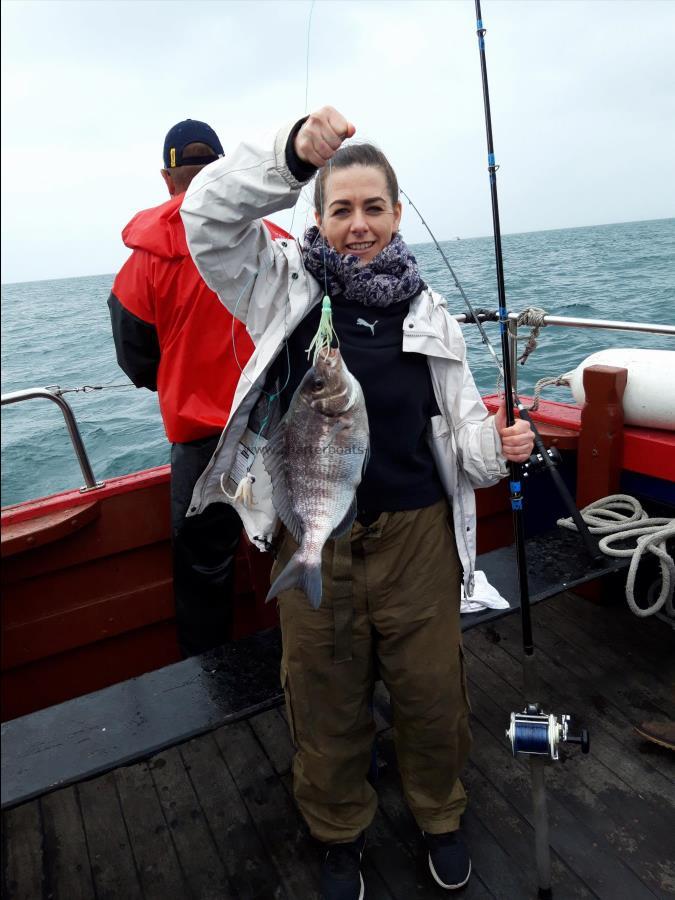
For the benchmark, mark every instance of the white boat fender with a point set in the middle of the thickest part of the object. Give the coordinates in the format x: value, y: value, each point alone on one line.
x: 649, y: 398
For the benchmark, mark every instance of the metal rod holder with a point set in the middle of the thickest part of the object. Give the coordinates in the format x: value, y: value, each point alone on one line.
x: 513, y: 352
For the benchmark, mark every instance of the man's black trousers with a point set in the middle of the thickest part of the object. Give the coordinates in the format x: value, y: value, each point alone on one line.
x: 204, y: 548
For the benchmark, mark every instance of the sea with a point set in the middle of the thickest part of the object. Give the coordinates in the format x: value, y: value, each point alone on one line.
x: 58, y: 333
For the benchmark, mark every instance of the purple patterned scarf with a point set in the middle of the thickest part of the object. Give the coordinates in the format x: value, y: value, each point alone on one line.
x: 390, y: 278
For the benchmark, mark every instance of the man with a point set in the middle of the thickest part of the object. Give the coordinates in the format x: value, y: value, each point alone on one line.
x: 173, y: 336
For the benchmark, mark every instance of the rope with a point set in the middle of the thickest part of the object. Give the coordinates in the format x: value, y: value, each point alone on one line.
x: 532, y: 317
x: 620, y: 517
x: 557, y: 381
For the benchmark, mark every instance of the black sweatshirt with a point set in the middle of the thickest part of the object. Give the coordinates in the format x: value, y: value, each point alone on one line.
x: 399, y: 400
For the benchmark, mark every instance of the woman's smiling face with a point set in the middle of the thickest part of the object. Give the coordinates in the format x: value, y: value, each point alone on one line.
x: 359, y: 218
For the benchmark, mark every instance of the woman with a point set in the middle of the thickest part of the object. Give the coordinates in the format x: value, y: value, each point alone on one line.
x: 391, y: 589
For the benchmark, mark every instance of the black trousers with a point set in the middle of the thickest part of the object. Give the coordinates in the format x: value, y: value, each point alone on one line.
x: 204, y: 548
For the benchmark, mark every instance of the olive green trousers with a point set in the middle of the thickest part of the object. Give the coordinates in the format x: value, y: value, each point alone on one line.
x: 401, y: 624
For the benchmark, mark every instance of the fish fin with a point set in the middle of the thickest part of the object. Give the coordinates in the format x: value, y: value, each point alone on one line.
x: 333, y: 433
x: 274, y: 456
x: 346, y: 523
x: 299, y: 575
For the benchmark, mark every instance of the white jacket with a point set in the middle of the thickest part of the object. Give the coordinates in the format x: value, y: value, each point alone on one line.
x: 263, y: 282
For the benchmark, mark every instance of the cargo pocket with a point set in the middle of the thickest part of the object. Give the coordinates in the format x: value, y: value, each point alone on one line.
x: 465, y: 687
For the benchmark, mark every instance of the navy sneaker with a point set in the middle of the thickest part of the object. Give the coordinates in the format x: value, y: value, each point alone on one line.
x: 449, y: 859
x: 341, y: 877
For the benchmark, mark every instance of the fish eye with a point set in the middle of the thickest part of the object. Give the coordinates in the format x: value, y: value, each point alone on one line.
x: 318, y: 383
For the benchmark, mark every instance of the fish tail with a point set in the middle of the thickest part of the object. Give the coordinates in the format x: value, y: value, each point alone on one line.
x: 298, y: 574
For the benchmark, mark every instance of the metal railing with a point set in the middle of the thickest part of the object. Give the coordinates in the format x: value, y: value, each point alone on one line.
x: 569, y: 322
x: 54, y: 395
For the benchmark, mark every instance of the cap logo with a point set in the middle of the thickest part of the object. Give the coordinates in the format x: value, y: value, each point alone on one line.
x: 172, y: 157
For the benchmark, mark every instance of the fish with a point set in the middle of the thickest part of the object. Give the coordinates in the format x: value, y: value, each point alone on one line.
x: 316, y: 458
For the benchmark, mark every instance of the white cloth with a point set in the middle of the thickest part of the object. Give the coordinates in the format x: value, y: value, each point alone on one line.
x: 485, y: 596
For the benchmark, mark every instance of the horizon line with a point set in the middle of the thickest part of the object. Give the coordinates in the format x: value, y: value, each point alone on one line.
x: 474, y: 237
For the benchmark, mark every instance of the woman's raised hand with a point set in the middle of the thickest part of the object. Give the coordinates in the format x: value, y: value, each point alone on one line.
x: 320, y: 137
x: 518, y: 440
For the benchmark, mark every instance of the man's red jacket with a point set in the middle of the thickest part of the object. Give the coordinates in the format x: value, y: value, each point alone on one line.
x: 172, y: 334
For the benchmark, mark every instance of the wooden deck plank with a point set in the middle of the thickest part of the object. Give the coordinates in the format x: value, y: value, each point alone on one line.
x: 199, y: 859
x: 605, y: 804
x: 647, y: 644
x: 282, y: 834
x: 643, y: 696
x: 67, y: 867
x: 492, y: 810
x: 113, y: 866
x: 157, y: 862
x: 618, y: 700
x: 502, y: 651
x: 493, y: 857
x: 589, y: 854
x: 630, y: 767
x: 250, y: 872
x: 512, y: 832
x: 271, y: 729
x: 615, y: 620
x: 22, y: 859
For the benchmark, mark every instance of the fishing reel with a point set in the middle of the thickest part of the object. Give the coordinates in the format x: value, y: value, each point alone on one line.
x: 535, y: 733
x: 537, y: 463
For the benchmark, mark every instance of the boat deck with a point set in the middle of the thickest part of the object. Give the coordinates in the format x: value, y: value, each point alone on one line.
x: 214, y: 817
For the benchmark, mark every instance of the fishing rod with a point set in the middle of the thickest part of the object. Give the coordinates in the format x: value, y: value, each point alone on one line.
x: 533, y: 732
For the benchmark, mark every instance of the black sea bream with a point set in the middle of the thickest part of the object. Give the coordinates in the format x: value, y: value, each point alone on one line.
x: 316, y: 459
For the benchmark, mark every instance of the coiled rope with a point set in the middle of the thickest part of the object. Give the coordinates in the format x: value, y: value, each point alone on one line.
x: 620, y: 517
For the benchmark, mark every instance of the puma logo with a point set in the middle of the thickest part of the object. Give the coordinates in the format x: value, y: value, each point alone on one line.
x: 368, y: 325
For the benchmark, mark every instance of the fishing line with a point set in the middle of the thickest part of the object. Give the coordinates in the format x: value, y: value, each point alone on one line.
x: 474, y: 315
x: 309, y: 29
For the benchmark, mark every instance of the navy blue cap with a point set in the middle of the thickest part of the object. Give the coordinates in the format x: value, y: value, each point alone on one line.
x: 190, y: 132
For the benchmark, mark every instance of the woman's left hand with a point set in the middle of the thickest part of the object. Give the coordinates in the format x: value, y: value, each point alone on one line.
x: 517, y: 440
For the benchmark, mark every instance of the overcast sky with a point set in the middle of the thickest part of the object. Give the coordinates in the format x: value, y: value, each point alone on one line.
x: 583, y: 103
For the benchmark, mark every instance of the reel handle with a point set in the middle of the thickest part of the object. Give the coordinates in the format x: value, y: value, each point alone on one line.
x: 584, y: 739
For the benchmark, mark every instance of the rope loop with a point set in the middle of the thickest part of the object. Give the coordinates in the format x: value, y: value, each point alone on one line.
x: 620, y: 517
x: 533, y: 317
x: 555, y: 381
